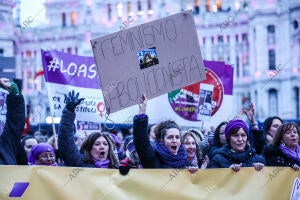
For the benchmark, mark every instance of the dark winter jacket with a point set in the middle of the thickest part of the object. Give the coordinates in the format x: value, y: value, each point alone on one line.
x: 275, y: 157
x: 147, y: 153
x: 213, y: 151
x: 11, y: 150
x: 259, y: 140
x: 66, y: 143
x: 226, y: 157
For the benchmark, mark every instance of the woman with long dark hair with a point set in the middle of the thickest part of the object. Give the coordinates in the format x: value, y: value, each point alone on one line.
x: 96, y: 151
x: 219, y: 139
x: 285, y: 149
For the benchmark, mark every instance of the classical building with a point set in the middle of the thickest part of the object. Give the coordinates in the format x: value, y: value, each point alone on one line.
x: 259, y: 38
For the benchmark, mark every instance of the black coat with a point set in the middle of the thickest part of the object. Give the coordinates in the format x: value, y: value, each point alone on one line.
x: 66, y: 142
x: 11, y: 150
x: 275, y: 157
x: 226, y: 157
x: 259, y: 140
x: 213, y: 151
x: 147, y: 153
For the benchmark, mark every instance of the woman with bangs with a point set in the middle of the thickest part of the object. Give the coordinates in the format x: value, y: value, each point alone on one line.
x: 97, y: 150
x: 284, y: 150
x: 192, y: 147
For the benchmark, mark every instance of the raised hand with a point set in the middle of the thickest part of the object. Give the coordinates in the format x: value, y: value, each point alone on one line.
x: 72, y: 100
x: 5, y: 83
x: 11, y: 87
x: 143, y: 105
x: 249, y: 112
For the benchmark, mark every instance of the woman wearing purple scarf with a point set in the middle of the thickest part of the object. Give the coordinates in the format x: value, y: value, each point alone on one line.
x: 285, y: 150
x: 42, y: 154
x: 97, y: 151
x: 167, y: 151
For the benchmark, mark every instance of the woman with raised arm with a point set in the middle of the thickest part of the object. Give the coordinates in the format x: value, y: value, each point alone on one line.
x: 167, y: 151
x: 97, y: 149
x: 237, y: 152
x: 11, y: 150
x: 285, y: 149
x: 262, y: 138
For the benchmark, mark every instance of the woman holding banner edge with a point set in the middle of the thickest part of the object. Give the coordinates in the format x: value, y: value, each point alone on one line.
x: 97, y: 150
x: 167, y: 151
x: 237, y: 152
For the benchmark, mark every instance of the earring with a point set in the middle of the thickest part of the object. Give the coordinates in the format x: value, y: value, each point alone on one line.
x: 283, y: 144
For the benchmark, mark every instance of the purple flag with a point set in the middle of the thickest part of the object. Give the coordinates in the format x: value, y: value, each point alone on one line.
x: 68, y: 69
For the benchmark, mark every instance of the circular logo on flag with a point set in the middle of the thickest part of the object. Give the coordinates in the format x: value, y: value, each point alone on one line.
x: 200, y: 99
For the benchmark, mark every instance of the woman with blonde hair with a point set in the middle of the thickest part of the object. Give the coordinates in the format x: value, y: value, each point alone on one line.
x: 191, y: 144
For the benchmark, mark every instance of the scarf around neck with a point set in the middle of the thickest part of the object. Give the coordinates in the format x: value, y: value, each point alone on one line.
x: 295, y: 155
x: 32, y: 164
x: 172, y: 160
x: 194, y: 161
x: 101, y: 163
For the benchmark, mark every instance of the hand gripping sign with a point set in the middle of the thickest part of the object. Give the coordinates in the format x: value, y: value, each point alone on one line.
x: 152, y: 58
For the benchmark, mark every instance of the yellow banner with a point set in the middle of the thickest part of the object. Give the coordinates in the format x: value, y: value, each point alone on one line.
x: 55, y: 183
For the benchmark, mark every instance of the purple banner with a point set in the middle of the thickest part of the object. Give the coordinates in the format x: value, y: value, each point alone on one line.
x: 68, y: 69
x: 224, y: 72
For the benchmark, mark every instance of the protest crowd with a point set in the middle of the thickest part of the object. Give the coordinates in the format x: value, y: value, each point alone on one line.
x: 231, y: 144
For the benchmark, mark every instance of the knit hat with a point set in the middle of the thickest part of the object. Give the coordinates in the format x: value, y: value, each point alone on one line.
x: 235, y: 124
x: 36, y: 150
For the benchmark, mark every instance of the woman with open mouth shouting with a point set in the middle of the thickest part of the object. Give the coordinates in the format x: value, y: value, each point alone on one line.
x: 237, y: 152
x: 167, y: 151
x: 97, y: 149
x: 192, y: 147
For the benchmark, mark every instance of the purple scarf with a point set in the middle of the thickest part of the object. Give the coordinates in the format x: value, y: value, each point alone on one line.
x: 194, y: 161
x: 295, y: 155
x: 102, y: 164
x: 172, y: 160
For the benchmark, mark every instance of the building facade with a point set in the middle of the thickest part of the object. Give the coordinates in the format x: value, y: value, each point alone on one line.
x: 259, y: 38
